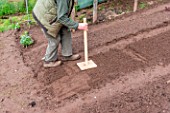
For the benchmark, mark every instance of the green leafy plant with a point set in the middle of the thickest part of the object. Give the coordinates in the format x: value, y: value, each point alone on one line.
x: 101, y: 8
x: 142, y: 5
x: 81, y: 17
x: 17, y: 26
x: 26, y: 40
x: 6, y: 25
x: 77, y: 7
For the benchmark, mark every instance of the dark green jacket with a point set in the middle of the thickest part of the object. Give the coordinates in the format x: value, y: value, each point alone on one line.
x: 53, y: 14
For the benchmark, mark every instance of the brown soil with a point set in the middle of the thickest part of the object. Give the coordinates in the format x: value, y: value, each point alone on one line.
x: 112, y: 9
x: 132, y: 54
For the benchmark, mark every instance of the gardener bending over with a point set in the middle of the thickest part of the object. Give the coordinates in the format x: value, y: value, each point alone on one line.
x: 53, y: 18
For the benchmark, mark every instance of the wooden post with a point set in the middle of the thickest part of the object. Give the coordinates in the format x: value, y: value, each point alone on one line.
x: 95, y: 3
x: 74, y: 13
x: 135, y: 5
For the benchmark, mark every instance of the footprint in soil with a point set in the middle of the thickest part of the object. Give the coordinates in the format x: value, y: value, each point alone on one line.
x: 32, y: 104
x: 167, y: 8
x: 2, y: 100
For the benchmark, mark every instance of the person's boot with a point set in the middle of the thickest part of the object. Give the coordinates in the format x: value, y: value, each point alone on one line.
x: 71, y: 58
x: 52, y: 64
x: 43, y: 58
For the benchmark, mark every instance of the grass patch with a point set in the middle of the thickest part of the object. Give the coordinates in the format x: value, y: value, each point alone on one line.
x: 14, y: 22
x: 8, y: 8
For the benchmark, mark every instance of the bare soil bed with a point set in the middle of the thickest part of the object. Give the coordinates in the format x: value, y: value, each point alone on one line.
x: 132, y: 54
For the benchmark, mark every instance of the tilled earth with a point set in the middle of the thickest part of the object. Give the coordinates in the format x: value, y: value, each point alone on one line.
x: 133, y: 73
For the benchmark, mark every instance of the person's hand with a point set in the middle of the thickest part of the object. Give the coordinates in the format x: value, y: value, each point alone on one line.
x: 83, y: 26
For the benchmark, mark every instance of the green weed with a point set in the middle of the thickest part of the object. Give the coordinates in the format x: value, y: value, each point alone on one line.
x: 17, y: 26
x: 142, y: 5
x: 81, y: 17
x: 101, y: 8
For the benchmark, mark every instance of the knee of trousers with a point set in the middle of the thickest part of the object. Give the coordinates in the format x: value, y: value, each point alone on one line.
x: 53, y: 44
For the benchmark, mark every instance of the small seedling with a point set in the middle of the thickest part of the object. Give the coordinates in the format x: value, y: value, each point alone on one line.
x: 77, y: 7
x: 26, y: 40
x: 81, y: 17
x: 142, y: 5
x: 17, y: 26
x: 101, y: 8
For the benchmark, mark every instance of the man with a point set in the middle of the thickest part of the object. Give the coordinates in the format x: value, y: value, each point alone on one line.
x: 53, y: 17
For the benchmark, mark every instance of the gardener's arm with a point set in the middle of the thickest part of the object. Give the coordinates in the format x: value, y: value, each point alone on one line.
x: 62, y: 13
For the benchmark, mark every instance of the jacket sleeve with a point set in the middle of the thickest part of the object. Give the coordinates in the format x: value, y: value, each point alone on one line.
x: 62, y: 14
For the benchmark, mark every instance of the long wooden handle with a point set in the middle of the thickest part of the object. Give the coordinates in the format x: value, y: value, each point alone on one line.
x: 85, y: 43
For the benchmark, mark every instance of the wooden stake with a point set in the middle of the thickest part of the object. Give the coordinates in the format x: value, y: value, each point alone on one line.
x: 73, y: 14
x: 95, y: 3
x: 135, y: 5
